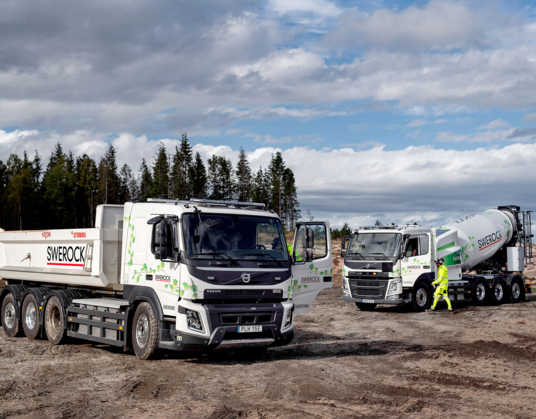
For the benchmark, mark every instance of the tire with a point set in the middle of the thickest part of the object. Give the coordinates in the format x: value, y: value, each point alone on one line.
x: 30, y: 317
x: 55, y: 321
x: 421, y: 297
x: 499, y: 292
x: 145, y: 332
x: 366, y: 306
x: 515, y: 294
x: 480, y: 292
x: 10, y: 323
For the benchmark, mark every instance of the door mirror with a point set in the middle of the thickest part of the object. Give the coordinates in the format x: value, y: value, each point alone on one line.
x: 162, y: 242
x: 343, y: 253
x: 308, y: 238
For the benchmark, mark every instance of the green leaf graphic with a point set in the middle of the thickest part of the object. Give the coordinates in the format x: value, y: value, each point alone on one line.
x: 194, y: 288
x: 182, y: 292
x: 185, y: 285
x: 133, y: 239
x: 166, y: 286
x: 195, y: 295
x: 312, y: 266
x: 175, y: 282
x: 305, y: 286
x: 132, y: 227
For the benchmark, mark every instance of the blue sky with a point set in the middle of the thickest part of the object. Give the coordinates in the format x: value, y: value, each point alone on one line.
x: 366, y: 99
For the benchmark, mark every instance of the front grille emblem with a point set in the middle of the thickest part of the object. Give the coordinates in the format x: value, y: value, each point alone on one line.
x: 367, y: 266
x: 246, y: 277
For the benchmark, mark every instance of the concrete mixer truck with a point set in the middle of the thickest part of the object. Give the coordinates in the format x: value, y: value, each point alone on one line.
x: 395, y: 264
x: 191, y: 275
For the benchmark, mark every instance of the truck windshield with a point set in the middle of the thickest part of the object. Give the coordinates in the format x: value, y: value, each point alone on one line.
x: 237, y: 237
x: 374, y: 244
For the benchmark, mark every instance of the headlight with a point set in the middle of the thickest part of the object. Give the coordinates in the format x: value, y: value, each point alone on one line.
x: 194, y: 320
x: 393, y: 287
x: 288, y: 320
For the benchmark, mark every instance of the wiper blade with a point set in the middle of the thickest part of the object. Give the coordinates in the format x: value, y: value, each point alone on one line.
x: 358, y: 255
x: 378, y: 254
x: 216, y: 254
x: 264, y: 254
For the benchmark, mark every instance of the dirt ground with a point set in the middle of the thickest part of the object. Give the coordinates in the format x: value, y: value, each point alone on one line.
x: 343, y: 363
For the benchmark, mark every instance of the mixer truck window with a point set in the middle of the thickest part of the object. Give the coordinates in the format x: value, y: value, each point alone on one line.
x: 424, y: 242
x: 412, y: 248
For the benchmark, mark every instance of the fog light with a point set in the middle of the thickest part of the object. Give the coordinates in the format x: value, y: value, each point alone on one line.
x: 194, y: 320
x: 288, y: 321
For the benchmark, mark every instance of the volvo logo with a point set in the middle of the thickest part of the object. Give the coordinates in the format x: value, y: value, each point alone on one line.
x: 367, y: 266
x: 246, y: 277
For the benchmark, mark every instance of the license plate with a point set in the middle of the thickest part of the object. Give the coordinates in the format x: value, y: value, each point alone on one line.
x: 368, y: 301
x: 248, y: 329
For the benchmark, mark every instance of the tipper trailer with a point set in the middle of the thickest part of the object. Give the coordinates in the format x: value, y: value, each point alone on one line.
x: 182, y: 275
x: 395, y: 264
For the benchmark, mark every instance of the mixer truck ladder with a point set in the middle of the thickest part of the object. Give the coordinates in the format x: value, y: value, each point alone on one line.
x: 526, y: 238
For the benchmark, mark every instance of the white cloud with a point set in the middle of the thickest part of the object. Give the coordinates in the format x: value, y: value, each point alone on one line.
x: 512, y: 134
x: 319, y: 7
x: 497, y: 123
x: 530, y: 118
x: 420, y: 122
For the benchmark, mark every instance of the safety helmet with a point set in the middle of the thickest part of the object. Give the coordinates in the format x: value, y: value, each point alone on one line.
x: 441, y: 261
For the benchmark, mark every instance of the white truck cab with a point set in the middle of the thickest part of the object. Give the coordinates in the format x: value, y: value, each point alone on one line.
x: 183, y: 275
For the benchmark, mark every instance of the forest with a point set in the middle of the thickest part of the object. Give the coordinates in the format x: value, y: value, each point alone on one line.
x: 66, y: 193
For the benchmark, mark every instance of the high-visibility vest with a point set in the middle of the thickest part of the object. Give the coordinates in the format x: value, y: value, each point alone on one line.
x: 443, y: 275
x: 297, y: 254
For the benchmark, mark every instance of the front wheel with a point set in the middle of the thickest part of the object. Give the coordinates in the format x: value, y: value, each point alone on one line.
x: 365, y: 306
x: 145, y: 331
x: 420, y: 297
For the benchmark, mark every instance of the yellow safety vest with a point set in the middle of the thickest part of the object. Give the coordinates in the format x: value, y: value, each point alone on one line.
x: 443, y: 275
x: 298, y: 257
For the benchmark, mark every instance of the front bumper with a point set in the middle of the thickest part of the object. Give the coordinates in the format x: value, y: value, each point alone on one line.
x: 222, y: 321
x: 393, y: 301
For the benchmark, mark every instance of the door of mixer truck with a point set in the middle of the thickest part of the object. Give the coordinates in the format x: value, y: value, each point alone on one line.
x: 312, y: 267
x: 417, y: 257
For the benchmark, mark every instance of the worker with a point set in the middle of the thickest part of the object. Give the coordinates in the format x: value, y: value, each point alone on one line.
x: 442, y: 284
x: 297, y: 254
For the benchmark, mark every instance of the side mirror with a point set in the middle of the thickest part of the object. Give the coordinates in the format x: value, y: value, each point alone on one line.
x: 308, y: 238
x: 343, y: 243
x: 343, y: 253
x: 308, y: 256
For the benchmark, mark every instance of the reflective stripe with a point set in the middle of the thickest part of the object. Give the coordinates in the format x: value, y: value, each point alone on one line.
x: 443, y: 275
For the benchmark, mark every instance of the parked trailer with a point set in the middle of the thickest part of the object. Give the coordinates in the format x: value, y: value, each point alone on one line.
x: 395, y: 264
x: 190, y: 275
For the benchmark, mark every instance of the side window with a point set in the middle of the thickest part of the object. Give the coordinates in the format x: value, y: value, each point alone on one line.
x: 425, y: 244
x: 320, y: 250
x: 412, y: 248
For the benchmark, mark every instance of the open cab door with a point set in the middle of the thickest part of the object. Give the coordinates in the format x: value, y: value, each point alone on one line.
x: 312, y: 267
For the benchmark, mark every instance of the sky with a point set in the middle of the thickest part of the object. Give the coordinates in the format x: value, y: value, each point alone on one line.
x: 398, y: 111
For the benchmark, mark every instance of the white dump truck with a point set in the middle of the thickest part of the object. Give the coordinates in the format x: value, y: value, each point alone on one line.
x: 395, y: 264
x: 182, y: 275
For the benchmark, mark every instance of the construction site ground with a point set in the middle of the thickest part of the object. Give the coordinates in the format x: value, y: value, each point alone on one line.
x: 343, y: 363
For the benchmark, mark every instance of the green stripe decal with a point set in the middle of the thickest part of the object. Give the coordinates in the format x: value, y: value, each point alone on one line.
x: 446, y: 246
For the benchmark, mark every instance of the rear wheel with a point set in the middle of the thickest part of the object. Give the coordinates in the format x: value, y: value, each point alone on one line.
x: 480, y: 292
x: 498, y: 292
x: 55, y: 321
x: 10, y: 323
x: 145, y: 331
x: 420, y: 296
x: 516, y: 291
x: 365, y: 306
x: 30, y: 317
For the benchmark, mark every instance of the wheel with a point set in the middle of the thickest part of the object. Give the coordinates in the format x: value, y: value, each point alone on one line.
x: 480, y: 292
x: 145, y: 331
x: 498, y: 292
x: 55, y: 321
x: 30, y: 317
x: 516, y: 291
x: 421, y: 296
x: 9, y: 316
x: 366, y: 306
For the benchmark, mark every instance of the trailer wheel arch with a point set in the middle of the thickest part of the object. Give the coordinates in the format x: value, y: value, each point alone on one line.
x: 39, y: 294
x: 17, y: 290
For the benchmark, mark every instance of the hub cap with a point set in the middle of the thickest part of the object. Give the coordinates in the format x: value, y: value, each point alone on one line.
x: 9, y: 316
x: 480, y: 291
x: 499, y: 292
x: 31, y: 316
x: 421, y: 296
x: 516, y: 290
x: 54, y: 320
x: 142, y: 331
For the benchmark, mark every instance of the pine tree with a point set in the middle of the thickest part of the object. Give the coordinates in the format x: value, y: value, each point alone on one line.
x: 275, y: 173
x: 146, y: 181
x: 198, y: 177
x: 243, y: 177
x: 87, y: 191
x: 160, y: 173
x: 260, y: 191
x: 182, y: 162
x: 290, y: 203
x: 108, y: 178
x: 128, y: 185
x: 220, y: 178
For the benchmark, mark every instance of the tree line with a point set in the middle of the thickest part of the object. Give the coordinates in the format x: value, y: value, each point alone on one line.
x: 66, y: 193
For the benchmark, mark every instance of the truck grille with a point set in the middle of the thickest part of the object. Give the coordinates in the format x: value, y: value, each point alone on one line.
x: 370, y: 289
x: 252, y: 293
x: 245, y: 319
